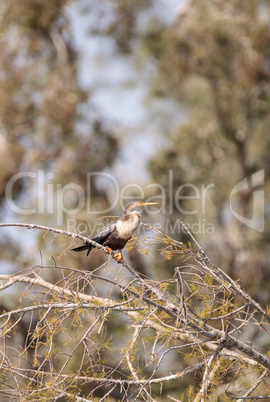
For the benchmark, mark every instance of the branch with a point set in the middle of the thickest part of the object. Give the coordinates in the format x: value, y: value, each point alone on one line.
x: 98, y: 302
x: 89, y: 379
x: 11, y: 280
x: 202, y: 258
x: 252, y: 389
x: 207, y: 378
x: 58, y: 231
x: 170, y: 315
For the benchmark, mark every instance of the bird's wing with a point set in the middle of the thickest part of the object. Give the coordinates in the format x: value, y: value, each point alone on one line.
x: 105, y: 232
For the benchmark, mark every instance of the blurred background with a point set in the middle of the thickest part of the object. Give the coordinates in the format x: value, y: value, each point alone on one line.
x: 164, y: 99
x: 153, y: 95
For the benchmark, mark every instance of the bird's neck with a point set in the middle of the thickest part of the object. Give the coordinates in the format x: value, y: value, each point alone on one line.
x: 128, y: 225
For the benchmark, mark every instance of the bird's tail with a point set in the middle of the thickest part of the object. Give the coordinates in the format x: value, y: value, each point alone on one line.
x: 84, y: 247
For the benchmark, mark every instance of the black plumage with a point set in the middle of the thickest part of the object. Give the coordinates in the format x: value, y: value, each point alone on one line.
x: 107, y: 236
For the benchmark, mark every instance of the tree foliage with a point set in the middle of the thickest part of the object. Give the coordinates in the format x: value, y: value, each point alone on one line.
x: 182, y: 323
x: 42, y: 105
x: 126, y: 337
x: 214, y: 62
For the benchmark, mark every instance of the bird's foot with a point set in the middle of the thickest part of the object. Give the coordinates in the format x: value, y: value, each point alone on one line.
x: 119, y: 258
x: 108, y: 250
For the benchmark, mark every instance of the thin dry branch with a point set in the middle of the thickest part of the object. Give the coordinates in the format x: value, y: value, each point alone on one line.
x: 150, y: 306
x: 250, y: 390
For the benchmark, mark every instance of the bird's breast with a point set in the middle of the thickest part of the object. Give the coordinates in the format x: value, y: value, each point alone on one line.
x: 126, y: 228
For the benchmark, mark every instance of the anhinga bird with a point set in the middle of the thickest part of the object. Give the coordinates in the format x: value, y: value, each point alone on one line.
x: 116, y: 234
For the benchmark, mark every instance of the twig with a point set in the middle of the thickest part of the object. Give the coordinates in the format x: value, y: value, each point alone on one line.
x: 207, y: 378
x: 252, y: 389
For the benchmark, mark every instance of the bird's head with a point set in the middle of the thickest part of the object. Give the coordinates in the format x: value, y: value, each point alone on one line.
x: 135, y: 204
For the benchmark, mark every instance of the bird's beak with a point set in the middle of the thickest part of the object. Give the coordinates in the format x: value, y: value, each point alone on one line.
x: 148, y: 203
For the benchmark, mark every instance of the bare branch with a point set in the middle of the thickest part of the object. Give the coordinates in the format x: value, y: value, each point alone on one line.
x: 70, y: 322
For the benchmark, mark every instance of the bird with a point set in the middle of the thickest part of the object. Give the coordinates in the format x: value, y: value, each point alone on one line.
x: 116, y: 234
